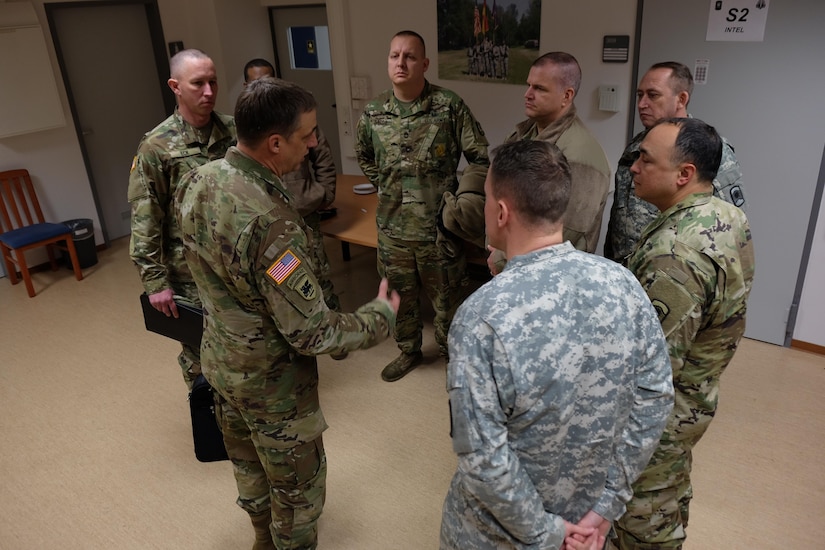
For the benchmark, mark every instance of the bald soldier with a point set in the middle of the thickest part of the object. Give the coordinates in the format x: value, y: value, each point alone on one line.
x: 192, y: 136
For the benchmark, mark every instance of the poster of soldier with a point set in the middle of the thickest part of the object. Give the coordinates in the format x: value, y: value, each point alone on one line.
x: 488, y: 40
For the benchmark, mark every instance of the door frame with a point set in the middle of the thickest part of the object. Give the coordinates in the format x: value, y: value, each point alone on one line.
x: 338, y: 144
x: 161, y: 63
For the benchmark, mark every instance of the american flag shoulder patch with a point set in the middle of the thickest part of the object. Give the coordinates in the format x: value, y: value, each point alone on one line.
x: 283, y: 267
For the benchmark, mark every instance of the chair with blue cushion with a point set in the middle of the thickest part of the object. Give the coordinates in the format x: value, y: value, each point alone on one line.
x: 23, y: 228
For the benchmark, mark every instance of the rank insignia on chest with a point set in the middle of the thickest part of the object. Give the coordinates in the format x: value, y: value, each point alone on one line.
x: 303, y: 285
x: 283, y: 267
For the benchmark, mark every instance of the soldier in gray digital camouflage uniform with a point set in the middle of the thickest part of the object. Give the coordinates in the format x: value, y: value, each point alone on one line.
x: 664, y: 92
x: 192, y: 136
x: 695, y: 261
x: 409, y: 143
x: 265, y: 315
x: 312, y: 187
x: 559, y: 379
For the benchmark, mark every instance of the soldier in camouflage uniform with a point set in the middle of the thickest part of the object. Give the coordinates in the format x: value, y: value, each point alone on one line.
x: 559, y: 378
x: 695, y: 261
x: 265, y: 315
x: 664, y: 92
x: 192, y: 136
x: 409, y: 143
x: 312, y: 187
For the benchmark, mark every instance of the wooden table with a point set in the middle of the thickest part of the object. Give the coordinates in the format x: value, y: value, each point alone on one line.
x: 354, y: 221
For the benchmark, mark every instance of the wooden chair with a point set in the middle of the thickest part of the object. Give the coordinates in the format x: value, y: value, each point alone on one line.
x: 23, y: 228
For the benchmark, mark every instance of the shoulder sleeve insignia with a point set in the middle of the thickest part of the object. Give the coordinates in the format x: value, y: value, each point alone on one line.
x: 283, y: 267
x: 661, y: 309
x: 302, y: 284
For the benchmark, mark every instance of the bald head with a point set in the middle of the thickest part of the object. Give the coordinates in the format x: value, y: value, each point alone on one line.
x: 179, y: 61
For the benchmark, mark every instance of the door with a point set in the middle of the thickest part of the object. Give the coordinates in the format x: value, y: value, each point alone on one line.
x: 303, y: 56
x: 110, y: 55
x: 766, y: 98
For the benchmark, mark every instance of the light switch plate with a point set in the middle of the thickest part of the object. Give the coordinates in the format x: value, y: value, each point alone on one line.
x: 359, y: 87
x: 609, y: 98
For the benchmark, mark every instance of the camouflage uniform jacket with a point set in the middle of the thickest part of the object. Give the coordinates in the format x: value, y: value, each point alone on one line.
x: 629, y: 214
x: 312, y: 185
x: 264, y: 314
x: 589, y: 171
x: 411, y: 153
x: 164, y: 155
x: 559, y: 387
x: 696, y: 263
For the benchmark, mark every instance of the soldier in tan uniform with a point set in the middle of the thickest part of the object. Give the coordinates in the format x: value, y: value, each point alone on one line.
x: 553, y: 84
x: 265, y: 314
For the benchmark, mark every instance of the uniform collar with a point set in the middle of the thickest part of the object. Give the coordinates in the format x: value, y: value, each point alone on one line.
x: 541, y: 254
x: 251, y: 166
x: 190, y: 136
x: 694, y: 199
x: 420, y: 104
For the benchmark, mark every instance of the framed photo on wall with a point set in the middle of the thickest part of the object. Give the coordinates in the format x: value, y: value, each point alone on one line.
x: 485, y: 41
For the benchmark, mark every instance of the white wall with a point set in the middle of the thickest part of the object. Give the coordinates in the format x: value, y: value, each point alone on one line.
x: 231, y: 31
x: 498, y: 107
x: 54, y: 160
x: 234, y: 31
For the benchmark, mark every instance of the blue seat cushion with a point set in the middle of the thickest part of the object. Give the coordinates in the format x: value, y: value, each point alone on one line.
x: 24, y: 236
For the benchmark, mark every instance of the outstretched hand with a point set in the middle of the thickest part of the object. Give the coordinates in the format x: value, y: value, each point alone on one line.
x: 391, y: 298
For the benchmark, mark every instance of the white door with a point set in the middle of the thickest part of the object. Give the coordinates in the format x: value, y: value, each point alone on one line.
x: 116, y: 92
x: 766, y: 98
x: 301, y: 37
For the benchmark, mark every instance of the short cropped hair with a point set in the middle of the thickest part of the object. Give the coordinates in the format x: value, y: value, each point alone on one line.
x: 270, y: 106
x: 681, y: 79
x: 414, y: 35
x: 699, y: 144
x: 257, y: 62
x: 570, y: 73
x: 177, y: 61
x: 535, y: 176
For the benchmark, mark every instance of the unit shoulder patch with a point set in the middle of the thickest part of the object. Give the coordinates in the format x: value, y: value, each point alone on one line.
x: 303, y: 285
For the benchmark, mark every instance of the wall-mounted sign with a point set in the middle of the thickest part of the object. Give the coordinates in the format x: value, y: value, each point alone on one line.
x: 615, y: 48
x: 737, y: 20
